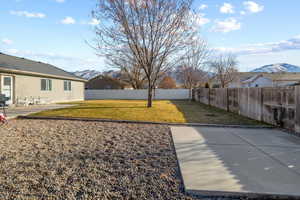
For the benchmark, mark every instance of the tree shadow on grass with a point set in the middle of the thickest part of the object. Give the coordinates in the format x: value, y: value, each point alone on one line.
x: 102, y: 107
x: 181, y: 106
x: 195, y: 112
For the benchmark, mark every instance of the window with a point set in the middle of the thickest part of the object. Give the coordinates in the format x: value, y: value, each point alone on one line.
x: 7, y: 81
x: 46, y: 84
x: 67, y: 86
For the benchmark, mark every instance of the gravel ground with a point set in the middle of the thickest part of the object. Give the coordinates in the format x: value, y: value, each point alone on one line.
x: 50, y: 159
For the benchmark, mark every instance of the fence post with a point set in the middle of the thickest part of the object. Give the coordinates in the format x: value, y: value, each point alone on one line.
x: 193, y: 94
x: 297, y: 108
x: 209, y: 96
x: 227, y: 98
x: 261, y: 104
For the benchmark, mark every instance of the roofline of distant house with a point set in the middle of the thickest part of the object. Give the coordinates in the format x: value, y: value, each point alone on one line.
x: 257, y: 77
x: 13, y: 71
x: 286, y: 80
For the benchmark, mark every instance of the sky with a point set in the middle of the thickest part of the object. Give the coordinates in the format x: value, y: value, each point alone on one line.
x: 259, y: 32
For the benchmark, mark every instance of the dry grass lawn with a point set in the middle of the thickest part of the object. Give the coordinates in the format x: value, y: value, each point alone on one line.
x: 162, y: 111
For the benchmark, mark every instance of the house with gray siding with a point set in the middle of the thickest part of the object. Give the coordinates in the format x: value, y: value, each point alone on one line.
x: 264, y: 79
x: 27, y: 82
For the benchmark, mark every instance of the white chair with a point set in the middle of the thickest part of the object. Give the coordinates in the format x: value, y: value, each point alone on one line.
x: 22, y: 101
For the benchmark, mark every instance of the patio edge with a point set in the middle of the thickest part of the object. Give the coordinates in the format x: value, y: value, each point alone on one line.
x: 143, y: 122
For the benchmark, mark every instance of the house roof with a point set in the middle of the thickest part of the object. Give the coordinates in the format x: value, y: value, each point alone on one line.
x: 254, y: 78
x: 14, y: 64
x: 104, y: 82
x: 251, y: 79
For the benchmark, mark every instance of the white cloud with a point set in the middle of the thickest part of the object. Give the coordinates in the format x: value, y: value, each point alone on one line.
x: 297, y: 37
x: 68, y: 20
x: 227, y: 25
x: 11, y: 51
x: 253, y: 7
x: 60, y: 1
x: 94, y: 22
x: 28, y: 14
x: 200, y: 19
x: 227, y: 8
x: 243, y: 13
x: 203, y: 7
x: 6, y: 41
x: 265, y: 48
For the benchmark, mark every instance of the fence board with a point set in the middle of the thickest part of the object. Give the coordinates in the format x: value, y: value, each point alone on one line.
x: 277, y: 106
x: 233, y: 100
x: 221, y: 98
x: 212, y: 97
x: 255, y: 103
x: 276, y: 101
x: 203, y: 95
x: 243, y: 101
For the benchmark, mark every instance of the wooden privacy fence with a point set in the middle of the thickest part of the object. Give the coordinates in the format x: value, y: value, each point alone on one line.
x: 278, y: 106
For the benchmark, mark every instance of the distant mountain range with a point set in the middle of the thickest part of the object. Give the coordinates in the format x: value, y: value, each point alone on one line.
x: 280, y: 67
x: 87, y: 74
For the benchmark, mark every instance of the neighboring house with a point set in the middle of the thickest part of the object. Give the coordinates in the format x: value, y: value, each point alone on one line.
x: 29, y: 82
x: 104, y: 82
x: 286, y: 79
x: 255, y: 79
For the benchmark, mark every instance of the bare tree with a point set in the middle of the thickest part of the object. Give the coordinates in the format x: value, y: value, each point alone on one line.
x: 225, y: 69
x: 134, y: 76
x: 167, y: 83
x: 192, y: 70
x: 149, y: 33
x: 130, y: 71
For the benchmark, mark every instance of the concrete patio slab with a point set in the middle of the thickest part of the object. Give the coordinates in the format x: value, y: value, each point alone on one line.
x: 289, y: 156
x: 14, y: 112
x: 220, y: 161
x: 262, y: 137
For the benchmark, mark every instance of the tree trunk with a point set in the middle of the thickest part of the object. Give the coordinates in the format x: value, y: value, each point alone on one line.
x: 223, y: 84
x: 149, y: 105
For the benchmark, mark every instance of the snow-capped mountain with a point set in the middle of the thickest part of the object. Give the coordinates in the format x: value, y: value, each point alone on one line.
x: 87, y: 74
x: 280, y: 67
